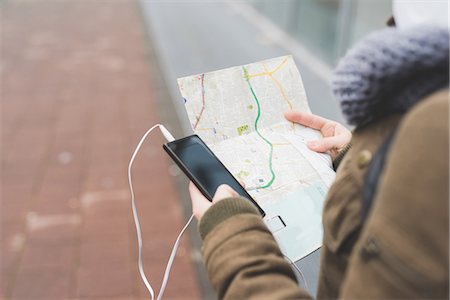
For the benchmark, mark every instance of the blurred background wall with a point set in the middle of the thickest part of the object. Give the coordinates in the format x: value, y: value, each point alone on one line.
x: 82, y: 80
x: 327, y: 28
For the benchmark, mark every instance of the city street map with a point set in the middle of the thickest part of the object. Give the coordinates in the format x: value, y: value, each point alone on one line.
x: 238, y: 112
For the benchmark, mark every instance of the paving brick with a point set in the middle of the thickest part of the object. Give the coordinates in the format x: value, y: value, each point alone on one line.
x: 43, y: 283
x: 15, y: 204
x: 101, y: 253
x: 113, y: 228
x: 105, y: 175
x: 62, y: 234
x: 38, y: 256
x: 110, y: 280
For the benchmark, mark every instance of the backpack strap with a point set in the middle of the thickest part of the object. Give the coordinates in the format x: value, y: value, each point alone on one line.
x: 374, y: 171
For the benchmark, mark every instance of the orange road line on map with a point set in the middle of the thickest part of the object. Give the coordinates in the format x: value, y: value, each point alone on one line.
x: 280, y: 87
x: 269, y: 72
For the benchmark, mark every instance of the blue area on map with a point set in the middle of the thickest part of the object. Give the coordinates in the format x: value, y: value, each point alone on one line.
x: 301, y: 211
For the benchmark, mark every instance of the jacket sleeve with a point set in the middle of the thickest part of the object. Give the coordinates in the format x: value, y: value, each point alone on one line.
x: 403, y: 251
x: 241, y: 256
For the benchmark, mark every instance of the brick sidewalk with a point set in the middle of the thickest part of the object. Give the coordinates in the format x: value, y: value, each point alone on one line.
x: 76, y: 97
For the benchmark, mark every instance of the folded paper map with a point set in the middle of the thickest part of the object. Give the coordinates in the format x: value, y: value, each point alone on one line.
x: 238, y: 112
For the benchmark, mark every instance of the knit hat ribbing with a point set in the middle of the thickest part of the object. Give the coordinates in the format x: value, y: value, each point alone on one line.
x: 391, y: 70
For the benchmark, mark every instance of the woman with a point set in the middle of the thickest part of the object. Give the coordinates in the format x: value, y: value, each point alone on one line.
x: 385, y: 224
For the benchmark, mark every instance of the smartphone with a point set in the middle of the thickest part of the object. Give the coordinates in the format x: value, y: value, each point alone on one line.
x: 203, y: 168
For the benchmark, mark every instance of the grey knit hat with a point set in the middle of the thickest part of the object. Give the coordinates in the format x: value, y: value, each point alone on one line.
x: 390, y: 71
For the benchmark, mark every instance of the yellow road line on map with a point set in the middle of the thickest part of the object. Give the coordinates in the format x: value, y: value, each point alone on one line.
x: 280, y: 87
x: 269, y: 72
x: 277, y: 83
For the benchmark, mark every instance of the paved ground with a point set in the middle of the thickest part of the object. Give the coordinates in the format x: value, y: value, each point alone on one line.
x: 76, y: 97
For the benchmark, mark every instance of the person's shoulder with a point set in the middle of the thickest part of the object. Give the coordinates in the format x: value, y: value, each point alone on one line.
x: 430, y: 113
x: 422, y: 138
x: 423, y: 133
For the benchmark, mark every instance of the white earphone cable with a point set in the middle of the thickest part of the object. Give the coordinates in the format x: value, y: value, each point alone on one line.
x: 171, y: 259
x: 169, y: 138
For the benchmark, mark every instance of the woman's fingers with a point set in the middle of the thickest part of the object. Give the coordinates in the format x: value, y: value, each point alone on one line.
x: 195, y: 192
x: 328, y: 143
x: 335, y: 135
x: 241, y: 182
x: 306, y: 119
x: 224, y: 191
x: 199, y: 202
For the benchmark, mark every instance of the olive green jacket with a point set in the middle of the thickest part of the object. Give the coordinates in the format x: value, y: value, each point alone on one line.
x: 400, y: 251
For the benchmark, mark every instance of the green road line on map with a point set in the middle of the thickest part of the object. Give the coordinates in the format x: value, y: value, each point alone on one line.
x: 257, y: 131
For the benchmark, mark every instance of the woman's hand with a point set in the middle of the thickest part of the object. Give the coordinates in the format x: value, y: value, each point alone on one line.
x: 335, y: 135
x: 200, y: 204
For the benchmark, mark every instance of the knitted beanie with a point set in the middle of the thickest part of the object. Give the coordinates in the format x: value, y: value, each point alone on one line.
x: 390, y: 71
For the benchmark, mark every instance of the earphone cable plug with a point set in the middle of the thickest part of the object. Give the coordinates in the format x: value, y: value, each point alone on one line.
x: 167, y: 135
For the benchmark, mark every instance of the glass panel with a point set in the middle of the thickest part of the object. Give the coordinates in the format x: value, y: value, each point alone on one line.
x: 317, y: 26
x: 369, y: 15
x: 327, y: 27
x: 280, y: 12
x: 313, y: 22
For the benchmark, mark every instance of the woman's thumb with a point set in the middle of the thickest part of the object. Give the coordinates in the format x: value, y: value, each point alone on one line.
x: 324, y: 144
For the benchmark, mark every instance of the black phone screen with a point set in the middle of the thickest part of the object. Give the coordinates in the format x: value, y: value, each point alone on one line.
x: 200, y: 164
